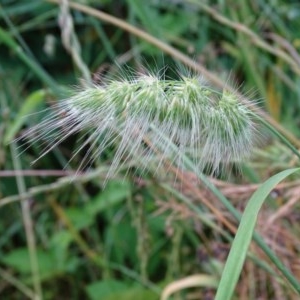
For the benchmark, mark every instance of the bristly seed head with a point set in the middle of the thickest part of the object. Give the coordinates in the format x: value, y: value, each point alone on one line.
x: 212, y: 128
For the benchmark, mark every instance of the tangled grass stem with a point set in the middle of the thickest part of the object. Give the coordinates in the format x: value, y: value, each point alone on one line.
x: 211, y: 127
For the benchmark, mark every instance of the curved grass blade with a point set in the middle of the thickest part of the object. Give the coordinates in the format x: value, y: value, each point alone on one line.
x: 244, y: 234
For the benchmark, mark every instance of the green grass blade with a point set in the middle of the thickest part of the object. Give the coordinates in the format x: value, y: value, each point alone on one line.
x: 244, y: 234
x: 29, y: 105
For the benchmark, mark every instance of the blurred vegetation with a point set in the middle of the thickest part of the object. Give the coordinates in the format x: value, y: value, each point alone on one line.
x: 77, y: 238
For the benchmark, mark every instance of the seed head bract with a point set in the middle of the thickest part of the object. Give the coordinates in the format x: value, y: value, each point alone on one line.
x: 145, y: 115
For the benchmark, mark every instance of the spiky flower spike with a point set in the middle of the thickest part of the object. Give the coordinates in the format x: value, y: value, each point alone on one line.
x: 211, y: 127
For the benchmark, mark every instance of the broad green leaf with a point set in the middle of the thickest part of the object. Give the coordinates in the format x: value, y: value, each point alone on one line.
x: 19, y: 260
x: 244, y: 234
x: 59, y: 244
x: 62, y: 240
x: 113, y: 289
x: 114, y: 193
x: 104, y: 288
x: 50, y: 262
x: 80, y: 217
x: 120, y: 242
x: 133, y: 294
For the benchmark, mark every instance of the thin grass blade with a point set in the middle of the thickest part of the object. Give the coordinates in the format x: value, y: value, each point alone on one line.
x: 244, y: 234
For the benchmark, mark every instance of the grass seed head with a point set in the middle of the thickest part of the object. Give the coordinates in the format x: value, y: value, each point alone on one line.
x: 213, y: 128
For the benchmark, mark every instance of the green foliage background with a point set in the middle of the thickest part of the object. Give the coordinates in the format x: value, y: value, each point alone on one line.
x: 132, y: 237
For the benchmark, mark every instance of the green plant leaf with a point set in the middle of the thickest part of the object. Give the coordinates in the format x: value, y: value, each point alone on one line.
x: 133, y: 294
x: 30, y: 104
x: 52, y: 262
x: 19, y: 260
x: 104, y: 288
x: 120, y: 240
x: 80, y: 217
x: 115, y: 192
x: 114, y: 289
x: 244, y: 234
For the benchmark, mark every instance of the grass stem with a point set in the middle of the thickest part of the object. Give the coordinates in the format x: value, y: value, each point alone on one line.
x: 28, y: 225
